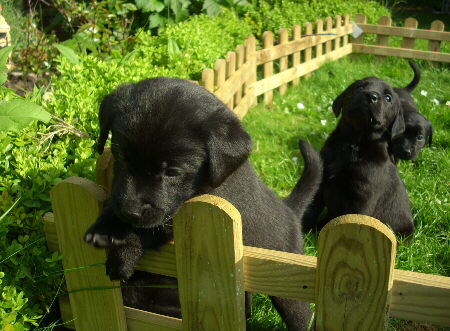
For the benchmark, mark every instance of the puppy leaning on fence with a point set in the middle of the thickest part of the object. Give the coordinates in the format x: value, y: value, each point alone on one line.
x: 173, y: 140
x: 359, y: 176
x: 418, y: 130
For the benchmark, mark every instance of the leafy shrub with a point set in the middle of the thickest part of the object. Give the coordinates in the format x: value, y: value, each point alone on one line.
x: 272, y: 15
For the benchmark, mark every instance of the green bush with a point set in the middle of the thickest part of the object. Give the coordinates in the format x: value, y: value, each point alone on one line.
x: 31, y: 168
x: 269, y: 15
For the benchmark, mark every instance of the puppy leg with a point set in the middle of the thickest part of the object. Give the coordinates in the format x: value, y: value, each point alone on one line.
x: 107, y: 230
x: 296, y: 314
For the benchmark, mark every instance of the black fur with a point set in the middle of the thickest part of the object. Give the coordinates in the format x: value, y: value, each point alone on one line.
x: 173, y: 140
x: 359, y: 176
x: 418, y: 130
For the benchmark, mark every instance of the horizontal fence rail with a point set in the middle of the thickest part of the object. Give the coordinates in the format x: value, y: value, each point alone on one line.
x: 238, y: 80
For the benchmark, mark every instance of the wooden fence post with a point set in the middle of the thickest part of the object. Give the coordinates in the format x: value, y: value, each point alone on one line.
x: 283, y: 35
x: 346, y: 22
x: 359, y: 19
x: 76, y: 204
x: 308, y: 51
x: 319, y: 30
x: 240, y: 54
x: 328, y: 27
x: 231, y: 68
x: 355, y: 265
x: 208, y: 79
x: 268, y: 66
x: 209, y: 256
x: 296, y: 35
x: 383, y: 40
x: 338, y: 24
x: 250, y: 57
x: 435, y: 45
x: 412, y: 24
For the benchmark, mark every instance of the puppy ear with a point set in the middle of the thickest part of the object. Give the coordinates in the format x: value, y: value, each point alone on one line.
x: 228, y: 146
x: 398, y: 127
x: 105, y: 117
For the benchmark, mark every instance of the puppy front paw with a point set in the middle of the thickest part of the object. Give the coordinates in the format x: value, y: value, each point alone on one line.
x: 100, y: 238
x: 118, y: 271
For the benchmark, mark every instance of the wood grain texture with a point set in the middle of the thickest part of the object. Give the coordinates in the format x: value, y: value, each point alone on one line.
x: 268, y: 66
x: 435, y: 45
x: 328, y: 28
x: 432, y: 34
x: 231, y: 69
x: 283, y: 39
x: 250, y: 57
x: 240, y: 56
x: 410, y: 23
x: 296, y: 35
x: 308, y: 50
x: 401, y: 52
x: 319, y: 30
x: 76, y: 204
x: 208, y: 79
x: 356, y: 255
x: 104, y: 170
x: 209, y: 255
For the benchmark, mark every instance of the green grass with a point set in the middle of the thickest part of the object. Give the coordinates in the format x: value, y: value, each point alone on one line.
x: 275, y: 131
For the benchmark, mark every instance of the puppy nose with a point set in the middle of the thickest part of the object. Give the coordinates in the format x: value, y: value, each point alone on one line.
x: 372, y: 97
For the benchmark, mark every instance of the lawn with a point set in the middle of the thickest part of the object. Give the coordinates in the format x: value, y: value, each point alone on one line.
x: 305, y: 112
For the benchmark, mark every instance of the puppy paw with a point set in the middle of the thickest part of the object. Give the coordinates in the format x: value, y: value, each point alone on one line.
x: 118, y: 271
x: 101, y: 239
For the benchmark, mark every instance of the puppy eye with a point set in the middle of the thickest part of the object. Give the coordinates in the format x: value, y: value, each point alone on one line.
x: 173, y: 172
x: 388, y: 97
x: 420, y: 137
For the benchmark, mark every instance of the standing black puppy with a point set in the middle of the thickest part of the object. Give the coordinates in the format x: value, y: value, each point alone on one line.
x: 418, y: 130
x: 173, y: 140
x: 359, y: 177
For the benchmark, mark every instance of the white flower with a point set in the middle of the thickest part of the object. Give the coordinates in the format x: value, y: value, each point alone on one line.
x: 300, y: 106
x: 436, y: 101
x: 447, y: 103
x: 424, y: 93
x: 323, y: 122
x: 330, y: 108
x: 295, y: 160
x: 319, y: 108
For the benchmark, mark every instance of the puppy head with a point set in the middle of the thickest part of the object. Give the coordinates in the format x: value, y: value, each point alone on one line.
x: 170, y: 140
x: 370, y: 107
x: 418, y: 132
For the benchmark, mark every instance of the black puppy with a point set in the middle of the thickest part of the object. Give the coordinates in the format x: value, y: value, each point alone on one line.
x: 359, y: 177
x: 173, y: 140
x: 418, y: 130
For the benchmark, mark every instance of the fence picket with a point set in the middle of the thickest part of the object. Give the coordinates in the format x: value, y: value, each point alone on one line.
x: 308, y: 51
x: 353, y: 288
x: 383, y: 40
x: 268, y: 66
x: 240, y: 54
x: 319, y: 30
x: 412, y: 24
x: 209, y: 255
x: 296, y: 35
x: 283, y: 35
x: 231, y: 69
x: 359, y: 19
x: 435, y: 45
x: 328, y: 27
x: 208, y: 79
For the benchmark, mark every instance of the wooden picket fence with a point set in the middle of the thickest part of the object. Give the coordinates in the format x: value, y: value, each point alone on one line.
x: 352, y: 282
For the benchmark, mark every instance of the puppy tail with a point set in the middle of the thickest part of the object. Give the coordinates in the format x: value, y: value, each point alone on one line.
x: 306, y: 188
x: 411, y: 86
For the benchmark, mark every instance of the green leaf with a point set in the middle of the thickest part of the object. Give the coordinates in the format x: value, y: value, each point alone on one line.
x: 172, y: 47
x: 68, y: 53
x: 156, y: 21
x: 4, y: 53
x: 211, y: 7
x: 17, y: 114
x: 149, y: 5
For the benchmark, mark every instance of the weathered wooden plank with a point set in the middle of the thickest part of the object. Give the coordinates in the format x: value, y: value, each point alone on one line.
x: 308, y: 50
x: 296, y: 35
x: 268, y: 66
x: 266, y: 55
x: 435, y: 45
x: 250, y: 57
x: 104, y: 170
x: 405, y: 32
x: 328, y: 28
x: 235, y: 82
x: 319, y: 31
x: 231, y: 69
x: 209, y: 249
x: 360, y: 20
x: 354, y: 274
x: 137, y: 320
x: 283, y: 39
x: 383, y: 40
x: 400, y: 52
x: 410, y: 23
x: 421, y: 297
x: 346, y: 23
x: 246, y: 102
x: 275, y: 81
x: 208, y: 79
x: 220, y: 68
x: 76, y: 204
x: 240, y: 55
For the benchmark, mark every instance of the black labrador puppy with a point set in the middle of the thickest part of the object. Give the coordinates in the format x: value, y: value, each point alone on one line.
x: 173, y: 140
x: 359, y: 176
x: 418, y: 130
